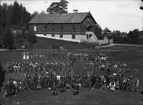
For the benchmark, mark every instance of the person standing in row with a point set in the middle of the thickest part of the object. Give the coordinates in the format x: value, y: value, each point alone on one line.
x: 2, y: 76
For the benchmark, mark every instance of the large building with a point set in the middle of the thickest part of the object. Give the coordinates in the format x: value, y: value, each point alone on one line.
x: 78, y: 27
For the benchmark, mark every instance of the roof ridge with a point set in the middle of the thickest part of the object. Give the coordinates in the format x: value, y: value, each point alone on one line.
x: 64, y: 13
x: 60, y: 18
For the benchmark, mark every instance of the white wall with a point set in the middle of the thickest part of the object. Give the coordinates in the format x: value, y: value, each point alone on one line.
x: 67, y: 36
x: 78, y: 38
x: 57, y: 35
x: 104, y: 41
x: 81, y: 37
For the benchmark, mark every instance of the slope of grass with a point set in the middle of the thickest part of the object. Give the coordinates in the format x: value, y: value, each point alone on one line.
x: 44, y: 43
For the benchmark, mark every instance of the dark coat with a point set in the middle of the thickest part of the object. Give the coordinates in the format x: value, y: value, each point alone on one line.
x: 2, y: 76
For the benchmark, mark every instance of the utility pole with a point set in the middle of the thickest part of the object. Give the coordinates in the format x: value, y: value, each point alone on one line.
x: 141, y: 8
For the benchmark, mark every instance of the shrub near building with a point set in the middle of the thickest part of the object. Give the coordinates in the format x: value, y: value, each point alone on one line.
x: 8, y: 40
x: 30, y: 37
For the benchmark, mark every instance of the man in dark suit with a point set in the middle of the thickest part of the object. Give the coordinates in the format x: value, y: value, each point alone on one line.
x: 2, y: 76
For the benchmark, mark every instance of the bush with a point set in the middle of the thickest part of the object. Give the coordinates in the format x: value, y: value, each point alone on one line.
x: 31, y: 37
x: 100, y: 37
x: 8, y: 40
x: 121, y: 40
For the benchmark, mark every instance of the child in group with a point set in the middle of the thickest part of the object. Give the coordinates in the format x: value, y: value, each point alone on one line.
x: 112, y: 86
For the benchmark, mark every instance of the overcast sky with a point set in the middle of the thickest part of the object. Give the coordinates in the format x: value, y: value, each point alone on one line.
x: 123, y: 15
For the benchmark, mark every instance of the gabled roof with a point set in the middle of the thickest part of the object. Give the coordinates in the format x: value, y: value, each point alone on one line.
x: 60, y: 18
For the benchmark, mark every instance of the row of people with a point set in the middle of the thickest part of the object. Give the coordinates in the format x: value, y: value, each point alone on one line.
x: 100, y: 73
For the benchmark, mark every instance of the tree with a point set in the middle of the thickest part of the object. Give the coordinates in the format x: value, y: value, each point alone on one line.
x: 19, y: 39
x: 107, y: 33
x: 31, y: 37
x: 5, y: 18
x: 134, y: 36
x: 43, y: 12
x: 20, y: 16
x: 98, y: 32
x: 58, y: 7
x: 116, y: 34
x: 8, y: 39
x: 12, y: 15
x: 34, y: 14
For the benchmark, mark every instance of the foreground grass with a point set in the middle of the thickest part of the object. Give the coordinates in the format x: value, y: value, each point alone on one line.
x: 133, y: 56
x: 86, y: 97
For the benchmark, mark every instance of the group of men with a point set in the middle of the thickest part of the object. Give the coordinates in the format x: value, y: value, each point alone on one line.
x: 57, y: 74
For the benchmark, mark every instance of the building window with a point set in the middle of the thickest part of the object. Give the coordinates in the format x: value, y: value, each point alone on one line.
x: 73, y: 36
x: 61, y: 35
x: 53, y: 35
x: 53, y: 29
x: 35, y: 28
x: 61, y: 28
x: 88, y: 36
x: 73, y: 28
x: 45, y: 28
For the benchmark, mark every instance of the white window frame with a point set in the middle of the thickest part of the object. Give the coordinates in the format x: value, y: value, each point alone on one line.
x: 35, y: 28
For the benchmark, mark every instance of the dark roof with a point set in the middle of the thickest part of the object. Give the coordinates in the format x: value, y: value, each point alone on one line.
x: 16, y: 27
x: 60, y: 18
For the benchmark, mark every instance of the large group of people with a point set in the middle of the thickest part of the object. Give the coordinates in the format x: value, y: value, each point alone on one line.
x: 56, y: 71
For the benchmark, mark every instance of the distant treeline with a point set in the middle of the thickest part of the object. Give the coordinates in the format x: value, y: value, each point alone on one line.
x: 11, y: 16
x: 132, y: 37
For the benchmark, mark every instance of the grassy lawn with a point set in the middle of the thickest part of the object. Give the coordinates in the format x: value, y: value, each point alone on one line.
x: 86, y: 97
x: 44, y: 43
x: 133, y: 56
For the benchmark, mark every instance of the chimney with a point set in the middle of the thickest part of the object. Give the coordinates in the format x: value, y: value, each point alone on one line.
x: 75, y: 11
